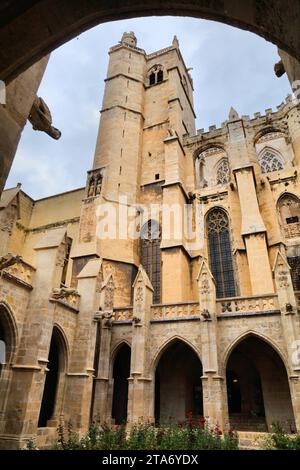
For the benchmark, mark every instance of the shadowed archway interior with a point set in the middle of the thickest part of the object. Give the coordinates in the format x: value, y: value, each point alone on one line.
x: 121, y: 373
x: 178, y: 388
x: 56, y: 369
x: 257, y: 387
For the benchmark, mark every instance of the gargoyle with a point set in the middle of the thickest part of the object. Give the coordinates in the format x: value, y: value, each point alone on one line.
x: 205, y: 315
x: 62, y: 292
x: 41, y: 119
x: 136, y: 320
x: 8, y: 260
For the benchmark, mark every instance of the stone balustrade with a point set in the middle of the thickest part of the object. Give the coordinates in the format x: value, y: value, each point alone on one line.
x: 123, y: 313
x: 21, y: 271
x: 180, y: 310
x: 292, y: 230
x: 251, y: 304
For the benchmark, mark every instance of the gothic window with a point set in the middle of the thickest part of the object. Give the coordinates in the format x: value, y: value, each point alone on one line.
x: 152, y: 78
x: 160, y: 76
x: 156, y: 74
x: 289, y: 209
x: 150, y: 255
x: 220, y: 253
x: 269, y: 162
x: 223, y: 172
x: 295, y: 271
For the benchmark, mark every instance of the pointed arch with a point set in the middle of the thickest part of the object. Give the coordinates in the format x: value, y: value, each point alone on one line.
x: 258, y: 388
x: 288, y: 208
x: 115, y: 350
x: 8, y: 331
x: 162, y: 348
x: 178, y: 386
x: 155, y: 74
x: 120, y: 375
x: 270, y: 160
x: 260, y: 336
x: 54, y: 388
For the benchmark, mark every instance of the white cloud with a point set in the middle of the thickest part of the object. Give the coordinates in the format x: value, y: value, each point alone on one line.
x: 230, y: 67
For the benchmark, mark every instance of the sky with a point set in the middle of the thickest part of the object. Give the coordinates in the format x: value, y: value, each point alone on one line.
x: 231, y: 67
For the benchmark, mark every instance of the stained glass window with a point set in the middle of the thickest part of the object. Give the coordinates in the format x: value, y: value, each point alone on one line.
x: 220, y: 253
x: 269, y: 162
x: 150, y: 255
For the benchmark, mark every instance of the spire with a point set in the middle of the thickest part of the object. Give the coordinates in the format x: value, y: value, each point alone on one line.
x: 233, y: 115
x: 129, y: 38
x: 175, y: 42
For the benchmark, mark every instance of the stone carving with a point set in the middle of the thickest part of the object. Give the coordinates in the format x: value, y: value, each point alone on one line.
x: 175, y: 311
x: 206, y: 315
x: 136, y: 320
x: 289, y: 309
x: 8, y: 260
x: 205, y: 289
x: 109, y: 295
x: 107, y: 319
x: 94, y: 184
x: 139, y: 296
x: 67, y: 295
x: 63, y: 292
x: 252, y: 304
x: 283, y: 279
x: 227, y: 307
x: 41, y: 119
x: 125, y: 314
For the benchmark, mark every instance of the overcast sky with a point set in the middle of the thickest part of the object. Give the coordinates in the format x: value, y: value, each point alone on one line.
x: 230, y: 68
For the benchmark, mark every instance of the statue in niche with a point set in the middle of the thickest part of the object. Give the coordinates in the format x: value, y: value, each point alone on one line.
x: 91, y: 189
x: 98, y: 185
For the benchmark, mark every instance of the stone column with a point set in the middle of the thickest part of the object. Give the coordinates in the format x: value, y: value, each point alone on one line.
x: 29, y: 371
x: 254, y: 233
x: 80, y: 376
x: 139, y: 393
x: 101, y: 407
x: 214, y: 403
x: 290, y: 327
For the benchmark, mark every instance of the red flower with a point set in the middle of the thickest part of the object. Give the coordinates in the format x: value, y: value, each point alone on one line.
x: 230, y: 432
x: 201, y: 422
x: 189, y: 414
x: 191, y: 423
x: 181, y: 424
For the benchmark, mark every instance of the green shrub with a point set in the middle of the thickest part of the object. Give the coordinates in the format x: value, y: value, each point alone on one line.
x: 280, y: 440
x: 191, y: 434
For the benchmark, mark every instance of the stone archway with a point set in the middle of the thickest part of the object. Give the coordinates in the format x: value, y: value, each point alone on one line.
x: 53, y: 395
x: 258, y: 390
x: 275, y: 20
x: 178, y: 387
x: 8, y: 343
x: 121, y: 373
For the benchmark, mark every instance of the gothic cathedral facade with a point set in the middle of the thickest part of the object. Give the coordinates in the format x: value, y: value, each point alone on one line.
x: 169, y: 283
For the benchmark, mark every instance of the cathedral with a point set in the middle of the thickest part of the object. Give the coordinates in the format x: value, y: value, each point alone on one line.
x: 170, y: 283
